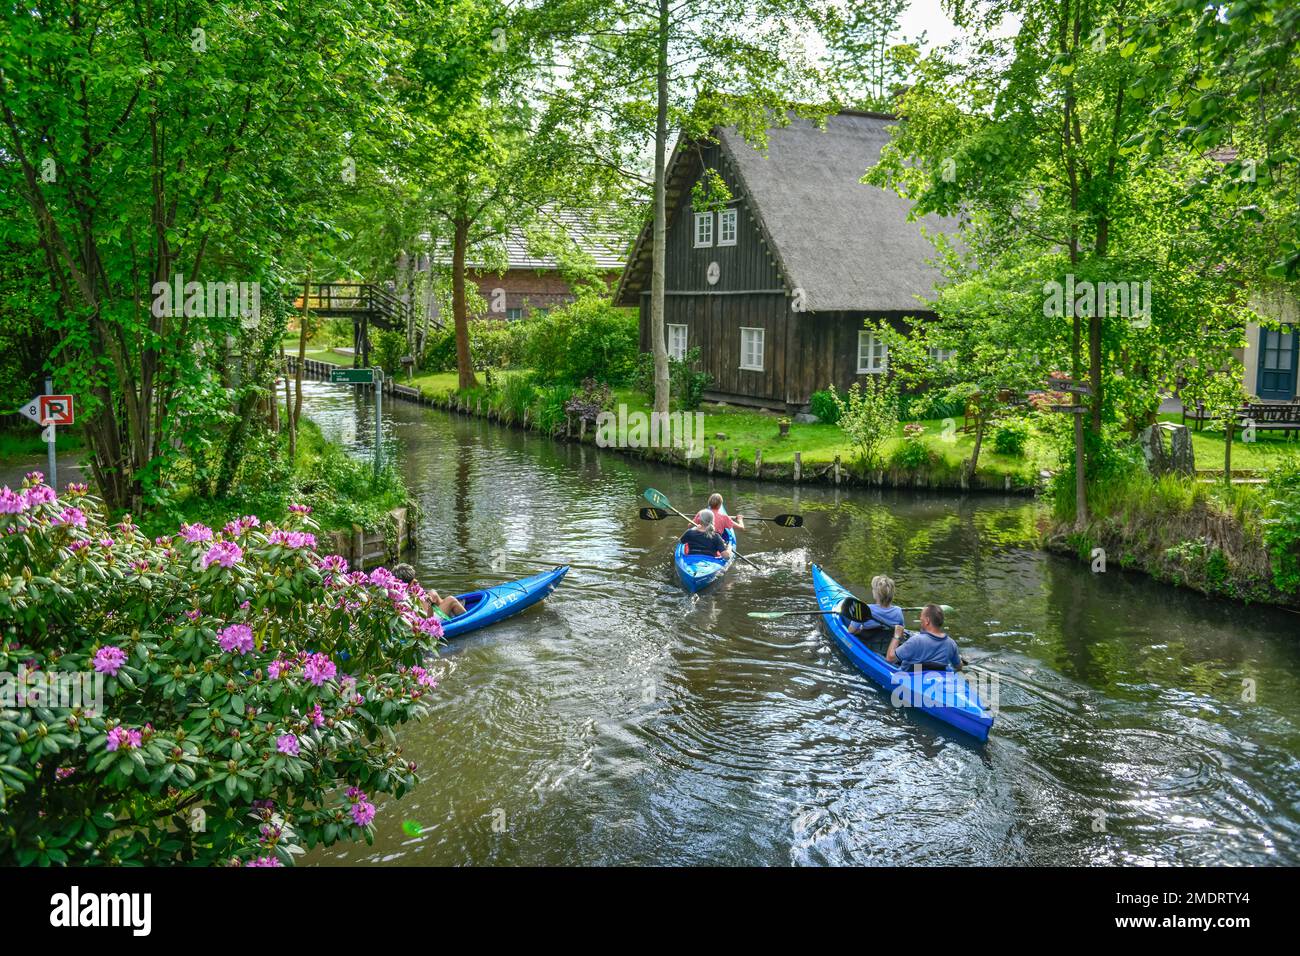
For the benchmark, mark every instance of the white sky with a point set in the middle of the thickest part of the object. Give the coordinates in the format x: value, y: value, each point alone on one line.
x: 927, y: 16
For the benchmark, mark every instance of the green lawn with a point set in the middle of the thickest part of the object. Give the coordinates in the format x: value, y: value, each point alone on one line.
x: 1260, y: 455
x: 22, y: 443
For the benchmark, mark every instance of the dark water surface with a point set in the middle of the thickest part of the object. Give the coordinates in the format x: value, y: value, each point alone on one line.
x: 624, y: 722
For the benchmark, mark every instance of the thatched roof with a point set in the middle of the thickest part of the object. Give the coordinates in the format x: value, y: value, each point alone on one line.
x: 848, y: 246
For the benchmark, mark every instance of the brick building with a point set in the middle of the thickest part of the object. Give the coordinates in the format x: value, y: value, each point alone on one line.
x: 530, y: 281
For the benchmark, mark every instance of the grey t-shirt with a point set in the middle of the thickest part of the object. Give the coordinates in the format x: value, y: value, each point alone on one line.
x: 923, y: 648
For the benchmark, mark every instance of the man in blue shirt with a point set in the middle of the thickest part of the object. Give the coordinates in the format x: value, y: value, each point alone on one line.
x: 929, y: 647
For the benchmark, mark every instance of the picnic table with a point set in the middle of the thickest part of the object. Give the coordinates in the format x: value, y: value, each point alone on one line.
x: 1264, y: 416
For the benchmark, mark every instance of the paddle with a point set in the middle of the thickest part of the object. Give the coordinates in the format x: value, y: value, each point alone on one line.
x: 661, y: 502
x: 785, y: 521
x: 857, y: 612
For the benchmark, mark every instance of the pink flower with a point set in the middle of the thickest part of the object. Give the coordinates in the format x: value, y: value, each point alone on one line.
x: 264, y: 861
x: 362, y: 812
x: 35, y: 477
x: 334, y: 563
x: 121, y: 737
x: 292, y: 539
x: 193, y: 614
x: 278, y: 667
x: 10, y: 503
x: 75, y: 489
x: 300, y: 509
x: 319, y: 669
x: 236, y: 639
x: 428, y: 626
x: 71, y: 517
x: 318, y: 716
x: 109, y: 660
x: 225, y: 553
x: 39, y: 495
x: 63, y: 773
x: 287, y: 744
x: 195, y: 533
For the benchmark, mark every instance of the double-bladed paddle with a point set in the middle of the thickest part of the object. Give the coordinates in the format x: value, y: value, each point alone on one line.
x: 662, y: 504
x: 856, y: 611
x: 785, y: 521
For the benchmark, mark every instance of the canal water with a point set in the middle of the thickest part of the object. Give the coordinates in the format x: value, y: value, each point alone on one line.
x: 625, y: 722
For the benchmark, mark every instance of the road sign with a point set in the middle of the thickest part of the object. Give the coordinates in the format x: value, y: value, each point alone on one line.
x: 56, y: 410
x: 353, y: 376
x: 50, y: 410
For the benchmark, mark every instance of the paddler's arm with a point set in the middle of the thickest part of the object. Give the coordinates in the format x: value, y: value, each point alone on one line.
x: 738, y: 521
x: 900, y: 635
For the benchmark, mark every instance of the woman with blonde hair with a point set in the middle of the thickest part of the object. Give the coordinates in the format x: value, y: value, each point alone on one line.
x: 882, y: 589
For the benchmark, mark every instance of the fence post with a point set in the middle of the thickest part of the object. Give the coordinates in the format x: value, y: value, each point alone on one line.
x: 837, y: 471
x: 798, y: 467
x: 713, y: 457
x: 758, y: 463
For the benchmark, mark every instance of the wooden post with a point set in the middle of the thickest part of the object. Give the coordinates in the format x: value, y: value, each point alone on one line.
x: 798, y: 467
x: 758, y: 463
x: 526, y: 411
x: 735, y: 466
x: 837, y: 471
x: 713, y: 457
x: 582, y: 429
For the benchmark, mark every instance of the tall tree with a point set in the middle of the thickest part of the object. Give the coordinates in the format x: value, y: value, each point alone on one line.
x: 161, y: 140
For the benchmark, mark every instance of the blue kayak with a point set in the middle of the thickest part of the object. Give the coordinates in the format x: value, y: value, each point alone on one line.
x: 501, y: 601
x: 943, y: 694
x: 698, y: 571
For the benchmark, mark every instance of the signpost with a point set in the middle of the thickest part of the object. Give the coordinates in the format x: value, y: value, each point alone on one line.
x: 1078, y: 410
x: 49, y: 411
x: 373, y: 377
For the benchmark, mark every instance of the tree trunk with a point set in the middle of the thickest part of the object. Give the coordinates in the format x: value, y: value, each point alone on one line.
x: 660, y: 248
x: 464, y: 364
x: 302, y: 358
x: 288, y: 414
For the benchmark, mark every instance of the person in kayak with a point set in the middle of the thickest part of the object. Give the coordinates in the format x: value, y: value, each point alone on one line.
x: 445, y: 607
x: 721, y: 520
x: 701, y: 539
x: 885, y: 616
x: 930, y: 647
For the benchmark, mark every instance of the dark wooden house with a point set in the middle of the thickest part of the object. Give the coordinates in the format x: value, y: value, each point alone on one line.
x: 775, y: 287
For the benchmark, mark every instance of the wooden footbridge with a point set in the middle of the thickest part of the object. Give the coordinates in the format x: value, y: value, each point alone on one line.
x: 365, y: 303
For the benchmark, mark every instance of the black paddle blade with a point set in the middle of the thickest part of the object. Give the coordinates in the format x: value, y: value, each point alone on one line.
x: 653, y: 514
x: 789, y: 521
x: 854, y: 610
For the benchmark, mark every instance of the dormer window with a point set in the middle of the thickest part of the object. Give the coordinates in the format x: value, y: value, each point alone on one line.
x: 703, y: 229
x: 727, y: 227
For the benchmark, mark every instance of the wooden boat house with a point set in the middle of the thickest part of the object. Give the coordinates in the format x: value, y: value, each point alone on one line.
x: 775, y: 286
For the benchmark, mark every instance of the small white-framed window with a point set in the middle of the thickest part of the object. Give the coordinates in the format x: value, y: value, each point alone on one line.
x: 751, y: 349
x: 873, y: 354
x: 677, y: 342
x: 939, y: 356
x: 727, y: 227
x: 703, y: 229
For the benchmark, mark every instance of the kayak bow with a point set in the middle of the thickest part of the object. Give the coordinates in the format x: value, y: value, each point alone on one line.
x: 946, y: 695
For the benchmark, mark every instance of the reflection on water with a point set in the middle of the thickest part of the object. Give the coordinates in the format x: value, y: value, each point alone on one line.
x: 625, y: 722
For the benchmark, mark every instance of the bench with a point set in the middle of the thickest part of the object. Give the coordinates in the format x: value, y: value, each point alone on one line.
x: 1265, y: 417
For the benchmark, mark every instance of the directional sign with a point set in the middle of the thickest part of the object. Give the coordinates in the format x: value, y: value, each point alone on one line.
x: 49, y: 410
x: 353, y: 376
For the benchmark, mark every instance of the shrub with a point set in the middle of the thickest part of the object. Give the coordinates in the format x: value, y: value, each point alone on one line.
x: 912, y: 453
x: 551, y: 404
x: 229, y: 731
x: 685, y: 384
x: 1281, y: 521
x: 869, y: 416
x: 517, y: 395
x: 494, y: 343
x: 439, y: 350
x: 585, y: 339
x: 1010, y: 436
x: 824, y: 406
x: 590, y: 401
x: 390, y: 346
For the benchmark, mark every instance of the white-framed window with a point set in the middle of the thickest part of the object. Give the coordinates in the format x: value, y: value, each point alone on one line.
x: 939, y: 356
x: 514, y: 314
x: 727, y: 227
x: 677, y: 342
x: 703, y: 229
x: 751, y: 349
x: 873, y: 354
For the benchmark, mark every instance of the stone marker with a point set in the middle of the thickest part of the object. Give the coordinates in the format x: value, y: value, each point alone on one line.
x: 1167, y: 448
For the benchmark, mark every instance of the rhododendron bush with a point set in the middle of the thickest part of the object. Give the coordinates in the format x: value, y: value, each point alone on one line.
x: 249, y: 687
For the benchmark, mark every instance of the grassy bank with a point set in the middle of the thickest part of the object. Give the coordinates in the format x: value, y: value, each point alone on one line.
x: 1231, y: 541
x: 739, y: 434
x: 341, y: 490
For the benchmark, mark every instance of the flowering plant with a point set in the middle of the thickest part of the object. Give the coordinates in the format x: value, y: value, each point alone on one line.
x: 245, y: 688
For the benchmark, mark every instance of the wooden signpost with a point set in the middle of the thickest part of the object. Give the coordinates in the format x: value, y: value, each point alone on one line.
x: 1078, y: 410
x: 50, y: 411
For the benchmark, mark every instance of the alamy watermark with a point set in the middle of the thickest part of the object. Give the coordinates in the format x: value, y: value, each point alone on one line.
x: 1107, y: 300
x: 637, y: 429
x: 941, y: 693
x: 39, y: 688
x: 213, y: 299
